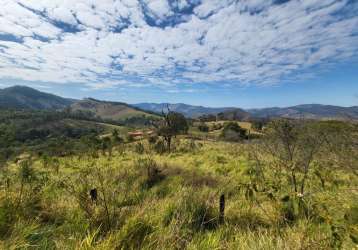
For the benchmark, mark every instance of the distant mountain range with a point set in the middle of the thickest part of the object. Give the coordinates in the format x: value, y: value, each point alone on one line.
x: 187, y: 110
x: 308, y: 111
x: 22, y: 97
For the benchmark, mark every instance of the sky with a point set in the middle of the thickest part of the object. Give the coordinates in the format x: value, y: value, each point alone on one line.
x: 243, y: 53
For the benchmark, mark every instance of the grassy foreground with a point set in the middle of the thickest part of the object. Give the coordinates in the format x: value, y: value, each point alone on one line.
x: 169, y: 201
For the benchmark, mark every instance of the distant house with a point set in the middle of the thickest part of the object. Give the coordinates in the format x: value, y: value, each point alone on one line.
x: 141, y: 133
x: 135, y: 133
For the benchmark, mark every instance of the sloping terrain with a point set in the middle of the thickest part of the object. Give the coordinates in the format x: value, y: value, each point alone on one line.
x: 308, y: 111
x: 189, y: 111
x: 234, y: 115
x: 21, y: 97
x: 108, y: 110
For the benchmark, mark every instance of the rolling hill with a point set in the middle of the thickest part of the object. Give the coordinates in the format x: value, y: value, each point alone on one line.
x: 21, y: 97
x: 189, y: 111
x: 308, y: 111
x: 108, y: 110
x: 234, y: 115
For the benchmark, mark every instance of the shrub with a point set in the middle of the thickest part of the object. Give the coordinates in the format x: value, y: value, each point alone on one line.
x: 116, y: 139
x: 233, y: 132
x: 130, y: 138
x: 151, y: 170
x: 26, y: 172
x: 294, y: 208
x: 258, y: 125
x: 203, y: 127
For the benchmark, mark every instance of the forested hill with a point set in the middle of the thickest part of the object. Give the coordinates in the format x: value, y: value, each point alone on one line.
x: 308, y: 111
x: 22, y: 97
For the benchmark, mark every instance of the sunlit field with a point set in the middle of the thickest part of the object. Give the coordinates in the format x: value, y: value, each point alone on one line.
x: 178, y: 124
x: 151, y: 200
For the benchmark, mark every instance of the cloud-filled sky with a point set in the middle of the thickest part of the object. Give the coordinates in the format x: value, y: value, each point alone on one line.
x: 206, y: 52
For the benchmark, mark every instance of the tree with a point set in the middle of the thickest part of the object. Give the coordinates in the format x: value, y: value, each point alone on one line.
x: 106, y: 145
x: 293, y: 146
x: 172, y: 125
x: 116, y: 138
x: 233, y: 132
x: 258, y: 124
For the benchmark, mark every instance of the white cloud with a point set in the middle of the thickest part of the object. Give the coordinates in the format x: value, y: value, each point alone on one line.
x: 159, y: 8
x: 62, y: 14
x: 111, y: 42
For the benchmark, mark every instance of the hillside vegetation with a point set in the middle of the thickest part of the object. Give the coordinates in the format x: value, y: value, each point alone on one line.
x: 293, y: 187
x: 22, y: 97
x: 108, y: 110
x: 189, y: 111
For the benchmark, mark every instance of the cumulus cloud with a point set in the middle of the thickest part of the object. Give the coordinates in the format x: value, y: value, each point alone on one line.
x: 167, y: 43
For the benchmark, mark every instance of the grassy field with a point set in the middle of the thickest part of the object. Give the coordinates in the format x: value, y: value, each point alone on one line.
x: 169, y: 201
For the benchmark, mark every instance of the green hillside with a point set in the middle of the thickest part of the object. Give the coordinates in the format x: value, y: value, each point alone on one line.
x: 109, y: 110
x: 22, y: 97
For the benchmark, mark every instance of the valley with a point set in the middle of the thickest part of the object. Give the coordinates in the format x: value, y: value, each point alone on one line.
x: 90, y: 176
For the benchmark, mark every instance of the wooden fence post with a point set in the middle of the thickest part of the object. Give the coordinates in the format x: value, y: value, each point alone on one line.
x: 93, y: 194
x: 222, y: 208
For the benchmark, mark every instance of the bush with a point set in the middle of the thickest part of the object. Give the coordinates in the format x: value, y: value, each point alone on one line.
x: 258, y: 125
x: 130, y: 138
x: 233, y: 132
x: 203, y: 127
x: 151, y: 170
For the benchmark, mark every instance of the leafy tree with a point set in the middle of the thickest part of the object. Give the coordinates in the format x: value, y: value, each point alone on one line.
x: 233, y: 132
x: 293, y: 147
x: 116, y: 138
x: 258, y: 125
x: 172, y: 125
x: 106, y: 145
x: 207, y: 118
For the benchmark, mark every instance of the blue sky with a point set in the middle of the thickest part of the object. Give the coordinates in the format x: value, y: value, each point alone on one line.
x: 245, y: 53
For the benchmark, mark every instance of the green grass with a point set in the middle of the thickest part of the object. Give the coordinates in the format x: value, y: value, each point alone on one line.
x: 178, y: 210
